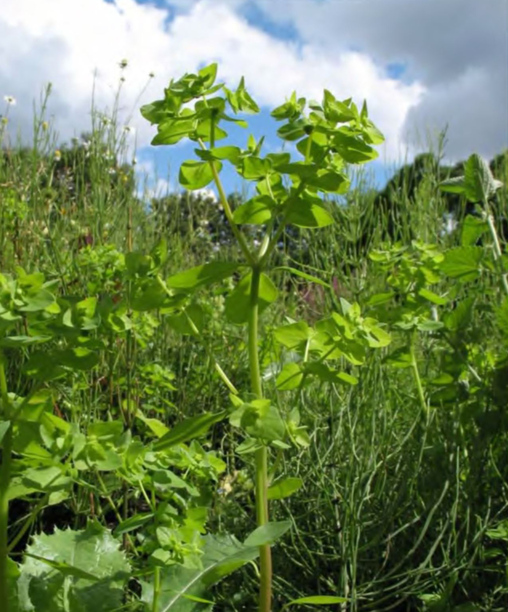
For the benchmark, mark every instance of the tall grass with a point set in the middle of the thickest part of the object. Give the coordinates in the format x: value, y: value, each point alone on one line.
x: 395, y: 510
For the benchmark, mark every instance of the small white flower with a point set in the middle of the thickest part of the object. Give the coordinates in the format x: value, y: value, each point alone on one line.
x: 128, y: 129
x: 256, y: 242
x: 123, y: 63
x: 134, y: 161
x: 58, y: 155
x: 112, y: 171
x: 11, y: 100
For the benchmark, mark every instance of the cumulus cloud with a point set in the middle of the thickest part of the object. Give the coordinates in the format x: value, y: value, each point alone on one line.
x: 78, y: 45
x: 457, y: 50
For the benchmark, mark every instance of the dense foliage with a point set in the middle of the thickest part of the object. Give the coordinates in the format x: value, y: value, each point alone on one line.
x: 131, y: 429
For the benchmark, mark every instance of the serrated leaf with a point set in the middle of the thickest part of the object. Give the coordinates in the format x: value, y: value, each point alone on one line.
x: 463, y: 262
x: 79, y: 570
x: 472, y: 229
x: 479, y: 183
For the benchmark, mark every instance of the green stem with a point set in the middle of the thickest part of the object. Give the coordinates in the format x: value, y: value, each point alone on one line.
x: 261, y: 479
x: 227, y: 211
x: 156, y: 589
x: 5, y: 476
x: 418, y: 380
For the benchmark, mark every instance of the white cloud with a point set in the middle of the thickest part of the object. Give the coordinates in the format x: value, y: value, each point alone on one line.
x: 456, y: 71
x: 68, y: 42
x: 456, y: 49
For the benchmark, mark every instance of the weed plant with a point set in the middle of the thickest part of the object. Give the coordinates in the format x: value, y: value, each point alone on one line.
x: 116, y: 432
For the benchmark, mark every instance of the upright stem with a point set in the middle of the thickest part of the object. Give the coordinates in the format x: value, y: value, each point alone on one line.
x: 418, y: 380
x: 5, y: 475
x: 265, y: 555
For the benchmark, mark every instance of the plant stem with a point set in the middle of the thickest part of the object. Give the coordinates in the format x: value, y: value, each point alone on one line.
x: 227, y: 211
x: 156, y: 588
x: 261, y: 479
x: 5, y: 476
x: 416, y: 373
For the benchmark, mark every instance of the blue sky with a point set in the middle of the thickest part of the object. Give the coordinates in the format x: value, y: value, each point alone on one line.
x: 421, y: 65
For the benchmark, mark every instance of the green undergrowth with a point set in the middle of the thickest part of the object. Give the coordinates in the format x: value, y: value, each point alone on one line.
x: 132, y: 426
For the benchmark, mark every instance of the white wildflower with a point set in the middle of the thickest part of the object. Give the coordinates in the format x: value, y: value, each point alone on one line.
x: 11, y: 100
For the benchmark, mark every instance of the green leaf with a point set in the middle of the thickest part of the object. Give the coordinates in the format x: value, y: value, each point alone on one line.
x: 201, y: 276
x: 429, y: 295
x: 20, y: 341
x: 267, y: 534
x: 230, y: 153
x: 189, y: 429
x: 400, y: 358
x: 208, y: 75
x: 463, y: 262
x: 259, y: 419
x: 352, y: 149
x: 472, y: 229
x: 453, y: 185
x: 132, y: 523
x: 309, y: 277
x: 460, y: 317
x: 181, y: 588
x: 78, y: 358
x: 306, y: 212
x: 255, y: 211
x: 172, y: 130
x: 255, y: 168
x: 37, y: 300
x: 479, y: 183
x: 317, y: 600
x: 330, y: 181
x: 84, y: 568
x: 156, y: 426
x: 284, y: 488
x: 4, y: 428
x: 327, y: 374
x: 290, y: 377
x: 294, y: 335
x: 196, y: 175
x: 237, y: 303
x: 293, y: 130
